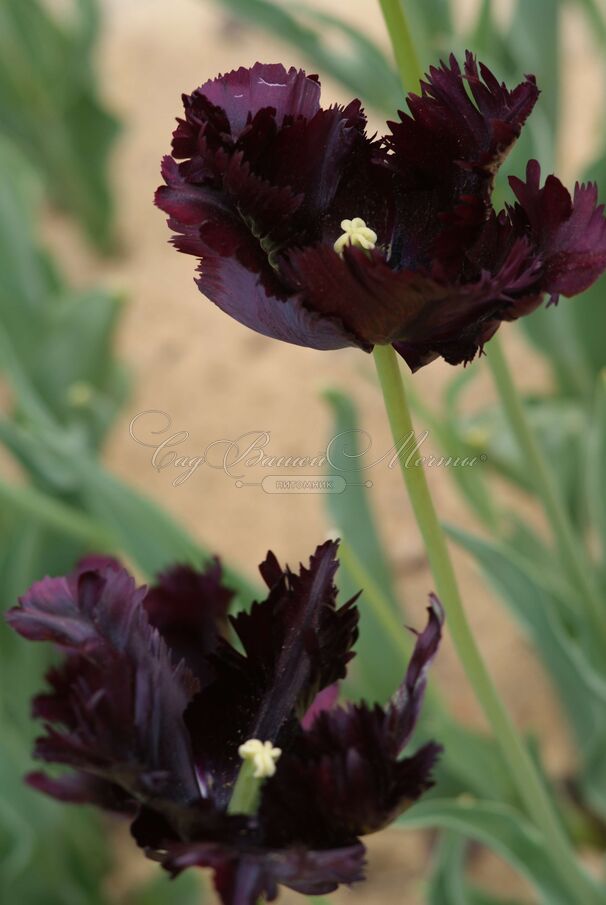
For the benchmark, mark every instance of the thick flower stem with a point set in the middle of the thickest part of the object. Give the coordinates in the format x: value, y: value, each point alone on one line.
x: 402, y: 43
x: 573, y: 560
x: 528, y: 783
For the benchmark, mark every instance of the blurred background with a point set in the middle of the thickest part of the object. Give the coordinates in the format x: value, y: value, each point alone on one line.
x: 100, y: 321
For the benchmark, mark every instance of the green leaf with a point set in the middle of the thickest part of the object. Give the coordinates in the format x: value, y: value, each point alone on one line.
x: 586, y: 315
x: 360, y: 67
x: 538, y: 604
x: 50, y: 110
x: 51, y: 512
x: 56, y: 344
x: 471, y: 762
x: 532, y: 38
x: 554, y: 334
x: 448, y: 885
x: 466, y: 458
x: 500, y: 828
x: 186, y: 889
x: 363, y: 565
x: 596, y: 465
x: 560, y: 426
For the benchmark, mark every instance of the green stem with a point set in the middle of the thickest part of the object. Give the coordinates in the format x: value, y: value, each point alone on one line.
x: 529, y: 785
x: 247, y: 791
x: 402, y: 42
x: 572, y: 556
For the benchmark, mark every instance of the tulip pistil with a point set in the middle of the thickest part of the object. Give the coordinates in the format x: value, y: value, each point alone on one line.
x: 259, y: 763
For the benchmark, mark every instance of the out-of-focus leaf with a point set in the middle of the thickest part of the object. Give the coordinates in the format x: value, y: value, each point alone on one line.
x: 554, y: 335
x: 501, y: 829
x: 53, y: 513
x: 54, y: 341
x: 49, y: 107
x: 471, y: 762
x: 379, y: 666
x: 546, y: 617
x: 595, y: 16
x: 586, y: 322
x: 533, y: 39
x: 596, y: 465
x: 447, y: 885
x: 586, y: 316
x: 465, y: 461
x: 360, y: 67
x: 559, y: 425
x: 184, y: 890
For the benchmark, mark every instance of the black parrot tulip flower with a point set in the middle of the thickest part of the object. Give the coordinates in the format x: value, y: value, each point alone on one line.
x: 309, y: 231
x: 236, y: 758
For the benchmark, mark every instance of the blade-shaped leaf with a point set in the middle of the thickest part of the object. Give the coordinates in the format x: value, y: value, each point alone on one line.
x: 361, y: 67
x: 596, y: 465
x: 542, y: 612
x: 501, y: 829
x: 448, y: 885
x: 50, y: 109
x: 364, y: 565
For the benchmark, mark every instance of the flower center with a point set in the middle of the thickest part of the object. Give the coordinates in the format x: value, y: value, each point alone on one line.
x: 262, y: 756
x: 357, y: 233
x: 259, y: 763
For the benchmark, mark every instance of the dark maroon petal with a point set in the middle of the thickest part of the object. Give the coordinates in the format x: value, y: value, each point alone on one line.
x: 207, y: 210
x: 449, y: 139
x: 447, y: 151
x: 295, y: 643
x: 420, y: 314
x: 240, y: 292
x: 234, y: 270
x: 404, y: 708
x: 325, y: 700
x: 267, y: 210
x: 158, y: 832
x: 82, y: 788
x: 569, y: 233
x: 243, y: 92
x: 243, y: 878
x: 311, y: 157
x: 342, y: 777
x: 189, y: 608
x: 118, y: 698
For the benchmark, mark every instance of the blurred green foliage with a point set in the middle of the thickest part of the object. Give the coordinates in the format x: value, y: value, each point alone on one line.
x: 50, y: 107
x: 331, y: 44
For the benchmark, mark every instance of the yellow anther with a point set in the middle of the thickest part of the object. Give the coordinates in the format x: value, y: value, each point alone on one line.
x: 263, y: 756
x: 355, y: 232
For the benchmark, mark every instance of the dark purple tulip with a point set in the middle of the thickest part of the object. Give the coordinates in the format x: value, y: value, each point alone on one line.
x: 153, y: 709
x: 311, y: 232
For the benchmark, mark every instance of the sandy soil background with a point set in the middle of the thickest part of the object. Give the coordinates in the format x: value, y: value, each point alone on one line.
x: 218, y: 380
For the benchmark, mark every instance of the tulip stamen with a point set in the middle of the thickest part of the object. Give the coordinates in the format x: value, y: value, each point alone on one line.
x: 259, y: 763
x: 356, y: 233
